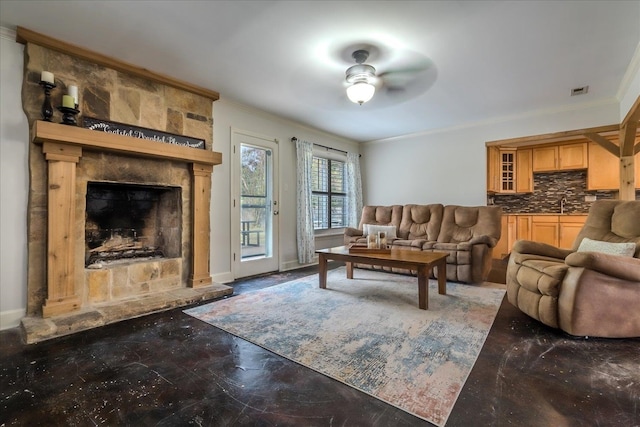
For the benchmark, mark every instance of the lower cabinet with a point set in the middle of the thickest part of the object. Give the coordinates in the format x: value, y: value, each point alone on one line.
x: 570, y: 226
x: 556, y: 230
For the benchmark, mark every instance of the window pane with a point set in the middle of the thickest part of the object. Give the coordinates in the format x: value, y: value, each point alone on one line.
x: 338, y: 211
x: 319, y: 174
x: 337, y: 177
x: 320, y: 204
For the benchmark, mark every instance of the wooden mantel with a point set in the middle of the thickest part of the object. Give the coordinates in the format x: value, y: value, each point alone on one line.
x: 62, y: 146
x: 47, y: 132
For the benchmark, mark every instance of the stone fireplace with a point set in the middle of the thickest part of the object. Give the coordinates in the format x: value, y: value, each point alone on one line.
x: 118, y: 226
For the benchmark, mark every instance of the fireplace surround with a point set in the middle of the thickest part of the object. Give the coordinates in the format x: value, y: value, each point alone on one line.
x: 67, y: 291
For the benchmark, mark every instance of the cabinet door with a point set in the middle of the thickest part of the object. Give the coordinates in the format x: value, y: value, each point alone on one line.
x: 572, y: 156
x: 544, y: 158
x: 524, y: 174
x: 604, y: 169
x: 570, y: 226
x: 544, y: 229
x: 502, y: 247
x: 507, y: 171
x: 523, y: 227
x: 493, y: 169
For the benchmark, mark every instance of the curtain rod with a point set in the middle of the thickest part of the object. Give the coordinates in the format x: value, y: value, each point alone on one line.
x: 294, y: 139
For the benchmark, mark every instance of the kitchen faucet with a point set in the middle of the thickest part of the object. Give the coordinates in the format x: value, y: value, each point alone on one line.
x: 563, y: 202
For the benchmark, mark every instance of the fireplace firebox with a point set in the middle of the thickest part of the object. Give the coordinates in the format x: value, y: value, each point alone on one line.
x: 125, y: 222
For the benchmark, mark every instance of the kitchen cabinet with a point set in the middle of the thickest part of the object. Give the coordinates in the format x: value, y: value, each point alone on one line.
x: 545, y: 229
x: 509, y: 170
x: 604, y: 169
x: 570, y: 226
x: 556, y: 230
x: 560, y: 157
x: 524, y: 171
x: 501, y: 170
x: 507, y: 237
x: 523, y: 227
x: 493, y: 169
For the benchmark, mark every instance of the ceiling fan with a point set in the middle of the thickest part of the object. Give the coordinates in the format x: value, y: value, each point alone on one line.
x: 363, y: 81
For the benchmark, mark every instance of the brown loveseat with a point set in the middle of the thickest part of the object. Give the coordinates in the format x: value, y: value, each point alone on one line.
x: 467, y: 233
x: 584, y: 291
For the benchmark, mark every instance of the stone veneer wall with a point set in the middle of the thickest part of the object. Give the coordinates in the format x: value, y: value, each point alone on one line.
x: 549, y: 188
x: 106, y: 94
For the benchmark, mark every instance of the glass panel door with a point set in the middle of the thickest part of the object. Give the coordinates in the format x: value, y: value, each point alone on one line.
x: 255, y: 207
x: 255, y: 202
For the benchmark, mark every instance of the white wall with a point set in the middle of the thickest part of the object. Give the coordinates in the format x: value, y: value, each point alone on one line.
x: 14, y: 183
x: 449, y: 166
x: 227, y: 115
x: 629, y: 90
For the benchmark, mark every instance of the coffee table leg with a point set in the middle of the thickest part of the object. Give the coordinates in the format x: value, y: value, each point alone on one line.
x: 349, y: 270
x: 442, y: 277
x: 322, y: 271
x: 423, y: 287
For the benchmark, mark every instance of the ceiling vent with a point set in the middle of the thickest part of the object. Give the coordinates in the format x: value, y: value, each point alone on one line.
x: 579, y: 90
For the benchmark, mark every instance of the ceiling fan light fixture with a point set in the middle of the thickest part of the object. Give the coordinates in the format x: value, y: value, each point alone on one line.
x: 360, y: 92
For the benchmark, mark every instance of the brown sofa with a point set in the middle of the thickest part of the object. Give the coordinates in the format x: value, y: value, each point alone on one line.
x: 467, y: 233
x: 583, y: 292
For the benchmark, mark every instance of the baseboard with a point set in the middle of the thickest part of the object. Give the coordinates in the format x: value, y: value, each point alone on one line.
x: 294, y: 265
x: 11, y: 318
x: 226, y: 277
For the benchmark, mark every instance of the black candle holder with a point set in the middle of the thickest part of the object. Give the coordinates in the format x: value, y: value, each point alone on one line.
x: 69, y: 116
x: 47, y: 109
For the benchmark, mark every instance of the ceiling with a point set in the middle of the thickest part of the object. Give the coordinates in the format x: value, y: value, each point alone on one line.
x: 478, y: 60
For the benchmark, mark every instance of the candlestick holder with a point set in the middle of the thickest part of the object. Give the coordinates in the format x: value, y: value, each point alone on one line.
x: 47, y: 109
x: 69, y: 115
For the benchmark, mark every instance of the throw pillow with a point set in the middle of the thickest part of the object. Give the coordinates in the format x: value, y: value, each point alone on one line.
x: 622, y: 249
x: 374, y: 229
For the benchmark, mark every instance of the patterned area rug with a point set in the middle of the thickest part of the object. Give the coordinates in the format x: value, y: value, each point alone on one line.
x: 368, y: 333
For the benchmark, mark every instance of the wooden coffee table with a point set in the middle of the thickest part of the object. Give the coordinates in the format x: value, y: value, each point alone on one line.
x: 423, y: 262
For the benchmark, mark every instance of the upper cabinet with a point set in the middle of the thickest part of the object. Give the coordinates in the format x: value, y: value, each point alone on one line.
x: 493, y: 169
x: 604, y: 169
x: 509, y: 170
x: 524, y: 171
x: 560, y: 157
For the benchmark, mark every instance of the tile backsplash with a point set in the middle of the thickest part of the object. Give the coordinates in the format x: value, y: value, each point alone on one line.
x: 549, y: 189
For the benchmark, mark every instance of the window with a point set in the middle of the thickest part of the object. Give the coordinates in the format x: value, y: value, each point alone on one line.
x: 328, y: 193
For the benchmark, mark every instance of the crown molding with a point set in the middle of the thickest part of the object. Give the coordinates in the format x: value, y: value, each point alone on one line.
x: 7, y: 34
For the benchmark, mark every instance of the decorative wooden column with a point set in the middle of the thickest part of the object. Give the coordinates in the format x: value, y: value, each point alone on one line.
x: 61, y: 193
x: 201, y: 197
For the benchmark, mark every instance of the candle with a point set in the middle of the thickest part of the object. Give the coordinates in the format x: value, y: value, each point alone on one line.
x: 73, y: 91
x: 68, y: 101
x: 46, y: 76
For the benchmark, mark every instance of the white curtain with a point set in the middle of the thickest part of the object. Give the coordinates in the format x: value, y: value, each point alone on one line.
x: 306, y: 238
x: 354, y: 190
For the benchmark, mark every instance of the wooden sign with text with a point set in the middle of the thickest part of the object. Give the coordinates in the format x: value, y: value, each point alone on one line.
x: 141, y: 133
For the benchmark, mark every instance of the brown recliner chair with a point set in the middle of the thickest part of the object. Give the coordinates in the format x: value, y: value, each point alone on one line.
x: 583, y: 293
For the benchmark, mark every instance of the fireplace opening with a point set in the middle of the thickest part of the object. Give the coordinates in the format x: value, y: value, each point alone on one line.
x: 131, y: 221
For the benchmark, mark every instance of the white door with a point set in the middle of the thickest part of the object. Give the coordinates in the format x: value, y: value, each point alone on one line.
x: 254, y: 207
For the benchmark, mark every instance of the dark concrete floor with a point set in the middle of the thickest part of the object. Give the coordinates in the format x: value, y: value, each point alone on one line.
x: 170, y: 369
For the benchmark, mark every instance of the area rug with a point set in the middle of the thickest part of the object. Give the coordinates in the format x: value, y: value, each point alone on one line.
x: 369, y: 333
